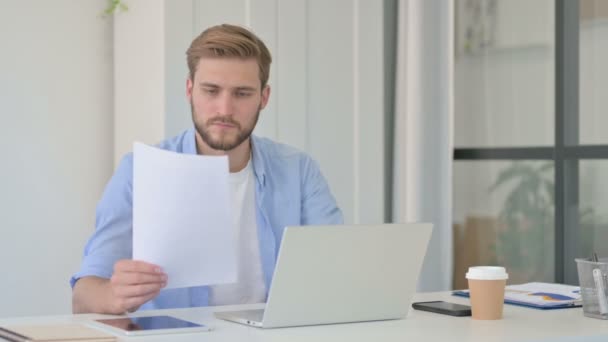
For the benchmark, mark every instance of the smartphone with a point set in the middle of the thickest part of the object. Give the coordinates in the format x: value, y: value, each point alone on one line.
x: 445, y: 308
x: 135, y: 326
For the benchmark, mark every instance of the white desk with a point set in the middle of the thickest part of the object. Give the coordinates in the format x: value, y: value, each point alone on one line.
x: 518, y: 324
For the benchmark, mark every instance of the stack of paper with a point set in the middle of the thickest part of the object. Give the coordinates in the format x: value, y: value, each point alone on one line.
x: 539, y: 295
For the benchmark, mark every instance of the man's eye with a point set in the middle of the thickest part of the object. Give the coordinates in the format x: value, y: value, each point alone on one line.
x: 210, y: 91
x: 242, y: 93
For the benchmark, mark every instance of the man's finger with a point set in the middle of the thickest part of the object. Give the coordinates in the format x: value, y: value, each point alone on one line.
x: 132, y: 278
x: 141, y: 290
x: 133, y: 303
x: 127, y: 265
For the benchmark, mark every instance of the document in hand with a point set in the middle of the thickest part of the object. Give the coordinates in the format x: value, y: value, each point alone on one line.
x: 539, y: 295
x: 55, y: 332
x: 181, y: 216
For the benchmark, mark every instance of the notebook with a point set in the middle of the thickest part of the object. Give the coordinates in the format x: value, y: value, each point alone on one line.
x: 55, y: 332
x: 341, y: 273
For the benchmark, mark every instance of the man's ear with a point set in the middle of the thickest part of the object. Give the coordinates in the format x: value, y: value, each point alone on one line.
x: 189, y: 85
x: 265, y: 97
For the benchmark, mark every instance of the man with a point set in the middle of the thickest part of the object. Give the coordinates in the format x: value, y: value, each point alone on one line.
x: 273, y: 186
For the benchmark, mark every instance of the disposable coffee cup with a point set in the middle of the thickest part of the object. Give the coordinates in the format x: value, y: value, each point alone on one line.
x: 487, y: 291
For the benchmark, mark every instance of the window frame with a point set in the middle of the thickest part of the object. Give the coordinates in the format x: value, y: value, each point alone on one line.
x: 566, y: 151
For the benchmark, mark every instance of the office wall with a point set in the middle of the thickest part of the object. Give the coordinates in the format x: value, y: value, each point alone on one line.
x: 55, y: 143
x: 139, y: 75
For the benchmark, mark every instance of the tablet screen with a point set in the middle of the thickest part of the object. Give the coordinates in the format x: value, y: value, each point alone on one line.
x: 133, y: 324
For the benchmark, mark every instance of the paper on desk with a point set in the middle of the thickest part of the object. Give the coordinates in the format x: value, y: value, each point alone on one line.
x: 181, y: 216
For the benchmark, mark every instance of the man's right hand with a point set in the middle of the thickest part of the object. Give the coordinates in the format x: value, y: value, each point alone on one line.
x: 132, y: 284
x: 135, y: 282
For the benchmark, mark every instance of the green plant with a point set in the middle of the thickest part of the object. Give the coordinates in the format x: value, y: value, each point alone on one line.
x: 526, y: 240
x: 526, y: 237
x: 115, y: 5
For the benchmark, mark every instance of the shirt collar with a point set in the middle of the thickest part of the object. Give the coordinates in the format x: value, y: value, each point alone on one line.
x: 189, y: 147
x: 258, y: 160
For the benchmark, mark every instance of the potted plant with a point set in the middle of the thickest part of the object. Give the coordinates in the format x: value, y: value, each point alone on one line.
x: 525, y: 238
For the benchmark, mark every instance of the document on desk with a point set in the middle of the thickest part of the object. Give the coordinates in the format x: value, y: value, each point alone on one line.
x: 182, y: 217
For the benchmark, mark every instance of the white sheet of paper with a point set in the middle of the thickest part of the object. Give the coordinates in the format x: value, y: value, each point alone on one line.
x: 181, y: 216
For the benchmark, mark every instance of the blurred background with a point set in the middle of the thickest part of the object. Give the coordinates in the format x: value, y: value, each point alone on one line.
x: 530, y: 105
x: 485, y: 117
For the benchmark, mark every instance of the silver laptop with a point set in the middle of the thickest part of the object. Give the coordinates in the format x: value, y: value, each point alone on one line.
x: 339, y: 274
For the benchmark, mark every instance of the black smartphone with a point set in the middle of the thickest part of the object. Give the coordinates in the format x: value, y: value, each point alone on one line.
x: 445, y: 308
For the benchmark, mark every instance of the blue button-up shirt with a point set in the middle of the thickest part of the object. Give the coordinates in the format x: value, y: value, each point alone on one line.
x: 289, y: 191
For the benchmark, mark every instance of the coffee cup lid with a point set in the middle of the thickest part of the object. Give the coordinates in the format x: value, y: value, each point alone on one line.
x: 487, y: 273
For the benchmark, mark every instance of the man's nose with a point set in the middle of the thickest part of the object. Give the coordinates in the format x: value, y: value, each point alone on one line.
x: 225, y: 105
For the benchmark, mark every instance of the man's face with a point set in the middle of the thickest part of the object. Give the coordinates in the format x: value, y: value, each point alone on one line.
x: 226, y: 99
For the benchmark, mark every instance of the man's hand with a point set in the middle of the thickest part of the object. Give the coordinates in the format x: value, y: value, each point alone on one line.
x: 133, y: 283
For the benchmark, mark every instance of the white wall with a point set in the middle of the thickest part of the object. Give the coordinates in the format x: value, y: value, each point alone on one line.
x: 139, y: 75
x: 56, y: 145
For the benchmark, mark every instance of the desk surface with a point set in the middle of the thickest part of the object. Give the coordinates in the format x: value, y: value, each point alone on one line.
x: 518, y: 324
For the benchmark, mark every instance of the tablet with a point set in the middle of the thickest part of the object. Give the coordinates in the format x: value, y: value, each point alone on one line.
x: 136, y: 326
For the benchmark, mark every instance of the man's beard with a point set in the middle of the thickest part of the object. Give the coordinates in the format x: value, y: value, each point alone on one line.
x: 223, y: 143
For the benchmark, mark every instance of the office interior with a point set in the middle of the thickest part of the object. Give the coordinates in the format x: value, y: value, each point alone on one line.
x: 485, y: 117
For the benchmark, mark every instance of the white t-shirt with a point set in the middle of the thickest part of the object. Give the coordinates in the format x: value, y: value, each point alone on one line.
x: 250, y: 286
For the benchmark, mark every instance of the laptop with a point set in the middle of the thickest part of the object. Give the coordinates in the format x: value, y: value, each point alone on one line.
x: 340, y: 274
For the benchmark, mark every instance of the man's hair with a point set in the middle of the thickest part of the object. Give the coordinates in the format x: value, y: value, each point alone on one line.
x: 229, y: 41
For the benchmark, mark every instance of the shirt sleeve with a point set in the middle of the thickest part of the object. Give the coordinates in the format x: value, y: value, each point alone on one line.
x: 112, y: 239
x: 318, y: 204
